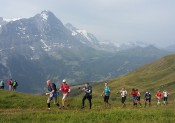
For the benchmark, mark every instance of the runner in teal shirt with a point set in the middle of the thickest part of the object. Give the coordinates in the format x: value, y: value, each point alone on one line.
x: 106, y: 94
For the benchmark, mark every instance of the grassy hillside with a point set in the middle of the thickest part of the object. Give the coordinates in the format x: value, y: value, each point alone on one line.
x: 18, y: 107
x: 24, y: 108
x: 157, y: 75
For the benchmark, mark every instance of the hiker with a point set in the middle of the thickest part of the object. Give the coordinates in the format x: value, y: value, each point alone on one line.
x: 159, y: 97
x: 165, y: 97
x: 2, y: 84
x: 88, y: 90
x: 123, y: 93
x: 53, y: 94
x: 66, y: 90
x: 147, y: 98
x: 106, y: 94
x: 138, y: 97
x: 9, y: 83
x: 14, y: 85
x: 134, y: 97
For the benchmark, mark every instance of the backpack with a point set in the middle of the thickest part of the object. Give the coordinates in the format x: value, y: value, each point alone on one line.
x: 53, y: 84
x: 65, y: 87
x: 9, y: 82
x: 15, y: 84
x: 2, y: 83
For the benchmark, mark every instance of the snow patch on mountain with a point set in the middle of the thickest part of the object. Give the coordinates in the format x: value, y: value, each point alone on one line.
x: 10, y: 19
x: 45, y: 47
x: 74, y: 33
x: 85, y: 34
x: 32, y: 48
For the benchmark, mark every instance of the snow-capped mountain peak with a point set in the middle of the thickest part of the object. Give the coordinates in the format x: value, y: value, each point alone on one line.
x: 81, y: 32
x: 84, y: 33
x: 44, y: 15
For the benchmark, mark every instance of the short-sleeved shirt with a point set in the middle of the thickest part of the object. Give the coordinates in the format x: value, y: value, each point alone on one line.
x: 51, y: 88
x: 65, y: 88
x: 87, y: 89
x: 134, y: 93
x: 159, y: 94
x: 107, y: 91
x: 147, y: 95
x: 123, y: 93
x: 165, y: 93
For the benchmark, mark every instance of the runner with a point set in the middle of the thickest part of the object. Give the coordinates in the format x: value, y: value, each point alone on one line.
x: 147, y: 98
x: 134, y: 97
x: 159, y: 97
x: 53, y: 94
x: 165, y: 97
x: 66, y: 90
x: 88, y: 90
x: 138, y: 97
x: 123, y: 95
x: 106, y: 94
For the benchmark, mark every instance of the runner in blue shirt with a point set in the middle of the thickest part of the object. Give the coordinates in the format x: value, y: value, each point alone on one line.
x: 88, y: 90
x: 106, y: 94
x: 53, y: 93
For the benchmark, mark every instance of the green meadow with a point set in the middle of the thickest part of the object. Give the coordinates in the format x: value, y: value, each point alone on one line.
x: 25, y: 108
x: 16, y: 107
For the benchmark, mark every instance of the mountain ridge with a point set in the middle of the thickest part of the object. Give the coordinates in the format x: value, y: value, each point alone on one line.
x: 38, y: 48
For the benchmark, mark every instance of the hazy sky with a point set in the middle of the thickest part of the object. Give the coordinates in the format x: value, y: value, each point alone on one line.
x: 151, y: 21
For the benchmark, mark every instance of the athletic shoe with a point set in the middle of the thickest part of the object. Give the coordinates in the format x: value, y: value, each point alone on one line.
x: 62, y: 107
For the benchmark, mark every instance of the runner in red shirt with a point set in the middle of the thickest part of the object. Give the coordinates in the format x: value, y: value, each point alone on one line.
x: 159, y: 97
x: 134, y: 97
x: 65, y: 89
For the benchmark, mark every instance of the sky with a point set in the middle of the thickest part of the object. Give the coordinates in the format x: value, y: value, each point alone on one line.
x: 150, y: 21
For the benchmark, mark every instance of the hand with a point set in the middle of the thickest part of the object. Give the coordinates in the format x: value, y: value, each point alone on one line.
x: 67, y: 94
x: 47, y: 94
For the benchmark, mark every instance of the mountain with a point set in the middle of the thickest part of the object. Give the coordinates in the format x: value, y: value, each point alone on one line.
x: 156, y: 75
x: 90, y: 40
x: 171, y: 48
x: 41, y: 47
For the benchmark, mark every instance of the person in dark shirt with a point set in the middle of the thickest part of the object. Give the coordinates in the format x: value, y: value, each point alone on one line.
x: 88, y: 95
x: 147, y: 98
x: 53, y: 94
